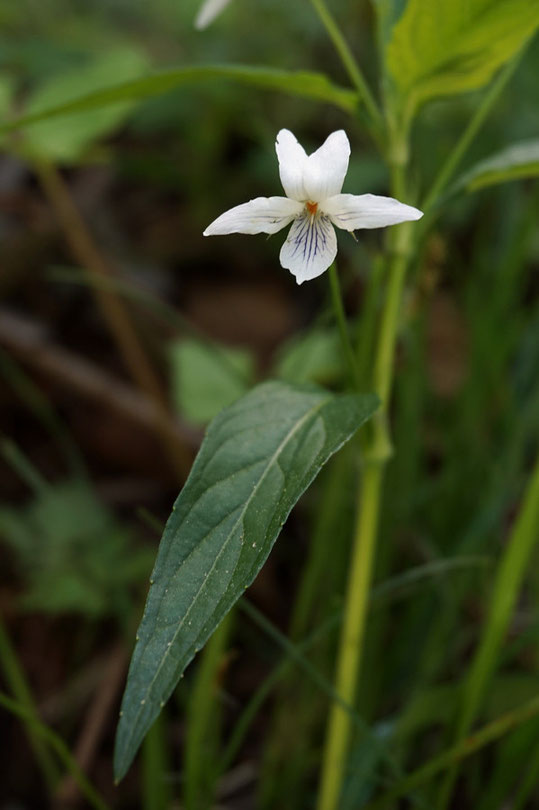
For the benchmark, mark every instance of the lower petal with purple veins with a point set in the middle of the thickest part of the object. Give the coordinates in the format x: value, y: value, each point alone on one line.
x: 310, y: 248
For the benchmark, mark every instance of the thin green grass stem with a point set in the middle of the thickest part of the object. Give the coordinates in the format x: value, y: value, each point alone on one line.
x: 529, y: 783
x: 392, y: 589
x: 365, y: 336
x: 16, y: 681
x: 36, y: 402
x: 462, y: 145
x: 200, y: 751
x: 58, y: 745
x: 327, y: 515
x: 465, y: 748
x: 22, y: 466
x: 296, y: 655
x: 156, y: 789
x: 340, y: 317
x: 511, y: 572
x: 350, y: 64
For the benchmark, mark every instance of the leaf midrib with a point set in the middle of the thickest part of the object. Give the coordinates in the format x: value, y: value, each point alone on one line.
x: 271, y: 462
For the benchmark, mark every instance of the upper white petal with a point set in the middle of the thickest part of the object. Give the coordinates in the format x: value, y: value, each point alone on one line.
x: 310, y: 247
x: 325, y: 169
x: 292, y: 158
x: 351, y: 211
x: 209, y: 11
x: 262, y: 215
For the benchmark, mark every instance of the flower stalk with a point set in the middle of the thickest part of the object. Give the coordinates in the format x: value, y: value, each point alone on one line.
x: 340, y: 317
x: 375, y: 456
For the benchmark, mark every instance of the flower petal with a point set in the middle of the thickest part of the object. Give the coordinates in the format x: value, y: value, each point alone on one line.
x: 351, y: 211
x: 262, y: 215
x: 326, y: 168
x: 292, y: 159
x: 310, y: 247
x: 208, y: 12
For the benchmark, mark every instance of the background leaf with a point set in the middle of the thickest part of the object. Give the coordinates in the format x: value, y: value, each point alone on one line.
x: 70, y: 565
x: 303, y: 83
x: 206, y: 378
x: 452, y: 46
x: 66, y: 139
x: 314, y: 356
x: 257, y: 459
x: 518, y: 161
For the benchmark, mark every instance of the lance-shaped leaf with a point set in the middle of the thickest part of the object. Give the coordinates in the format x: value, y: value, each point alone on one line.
x: 307, y: 84
x: 516, y: 162
x: 66, y: 139
x: 441, y: 47
x: 258, y: 457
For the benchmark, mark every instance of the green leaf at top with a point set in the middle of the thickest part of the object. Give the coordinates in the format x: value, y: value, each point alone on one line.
x: 258, y: 457
x: 307, y: 84
x: 515, y: 162
x: 67, y: 138
x: 442, y: 47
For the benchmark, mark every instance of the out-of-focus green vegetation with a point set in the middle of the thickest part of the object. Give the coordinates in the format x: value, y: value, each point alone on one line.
x: 148, y: 176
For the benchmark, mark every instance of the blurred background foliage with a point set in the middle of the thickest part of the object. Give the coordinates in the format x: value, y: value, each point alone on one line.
x: 83, y: 475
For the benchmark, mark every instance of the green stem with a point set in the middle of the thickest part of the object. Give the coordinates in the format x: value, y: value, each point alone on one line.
x: 61, y: 749
x: 458, y: 752
x: 349, y: 62
x: 340, y: 317
x: 376, y: 454
x: 511, y: 571
x: 459, y: 150
x: 351, y: 643
x: 16, y: 680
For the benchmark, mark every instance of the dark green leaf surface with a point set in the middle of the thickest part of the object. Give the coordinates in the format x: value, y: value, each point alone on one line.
x: 311, y: 85
x: 258, y: 457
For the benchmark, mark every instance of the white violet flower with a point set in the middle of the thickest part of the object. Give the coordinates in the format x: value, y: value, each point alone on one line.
x: 209, y: 11
x: 313, y: 203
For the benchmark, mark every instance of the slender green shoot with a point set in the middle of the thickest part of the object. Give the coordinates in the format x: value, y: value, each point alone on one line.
x: 156, y: 789
x: 349, y: 62
x: 340, y: 317
x: 16, y: 680
x: 200, y: 755
x: 465, y: 748
x: 86, y: 788
x: 510, y: 574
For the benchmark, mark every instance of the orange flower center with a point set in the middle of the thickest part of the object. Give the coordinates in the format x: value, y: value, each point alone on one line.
x: 312, y: 207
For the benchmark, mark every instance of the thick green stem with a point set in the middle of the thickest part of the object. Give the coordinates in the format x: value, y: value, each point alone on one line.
x: 511, y: 571
x: 351, y: 643
x: 376, y: 454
